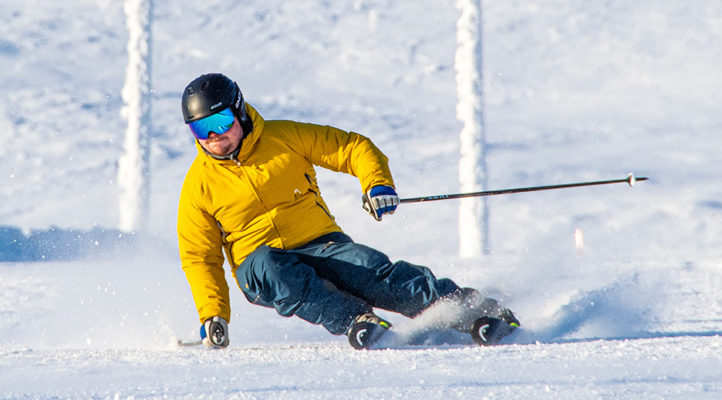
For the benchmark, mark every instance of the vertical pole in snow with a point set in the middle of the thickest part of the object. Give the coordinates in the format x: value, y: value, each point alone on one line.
x: 473, y: 212
x: 133, y: 168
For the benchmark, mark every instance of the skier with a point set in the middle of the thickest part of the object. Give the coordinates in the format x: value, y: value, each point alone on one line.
x: 252, y: 192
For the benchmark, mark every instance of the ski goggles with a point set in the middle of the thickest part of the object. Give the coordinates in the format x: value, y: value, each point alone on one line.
x: 219, y: 123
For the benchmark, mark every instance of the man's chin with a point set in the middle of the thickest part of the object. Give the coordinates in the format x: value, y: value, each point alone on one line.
x: 220, y: 153
x: 218, y: 149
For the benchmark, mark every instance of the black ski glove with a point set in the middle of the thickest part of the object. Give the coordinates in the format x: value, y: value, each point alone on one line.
x: 214, y: 332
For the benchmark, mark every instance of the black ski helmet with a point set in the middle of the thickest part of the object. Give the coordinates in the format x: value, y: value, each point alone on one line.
x: 211, y: 93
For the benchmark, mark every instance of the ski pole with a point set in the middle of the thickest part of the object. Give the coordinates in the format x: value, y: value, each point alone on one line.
x: 630, y: 179
x: 190, y: 343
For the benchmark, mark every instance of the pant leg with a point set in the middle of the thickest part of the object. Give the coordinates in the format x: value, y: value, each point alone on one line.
x: 370, y: 275
x: 277, y: 278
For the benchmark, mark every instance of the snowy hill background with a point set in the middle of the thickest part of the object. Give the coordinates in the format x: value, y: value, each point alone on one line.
x: 574, y: 91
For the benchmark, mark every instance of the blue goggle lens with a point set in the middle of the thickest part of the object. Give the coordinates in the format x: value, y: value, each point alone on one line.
x: 219, y: 123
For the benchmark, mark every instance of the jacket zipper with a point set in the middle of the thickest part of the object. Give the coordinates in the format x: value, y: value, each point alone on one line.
x: 308, y: 178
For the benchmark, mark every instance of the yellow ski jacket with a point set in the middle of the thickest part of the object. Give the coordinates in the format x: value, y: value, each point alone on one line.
x: 268, y: 195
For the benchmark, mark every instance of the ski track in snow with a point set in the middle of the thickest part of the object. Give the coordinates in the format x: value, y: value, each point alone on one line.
x: 677, y: 367
x: 573, y: 91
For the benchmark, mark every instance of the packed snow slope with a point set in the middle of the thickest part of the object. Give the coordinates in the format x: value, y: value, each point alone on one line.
x: 574, y: 91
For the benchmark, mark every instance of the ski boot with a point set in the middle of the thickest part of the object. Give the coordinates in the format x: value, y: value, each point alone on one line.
x: 366, y: 329
x: 482, y: 317
x: 488, y: 331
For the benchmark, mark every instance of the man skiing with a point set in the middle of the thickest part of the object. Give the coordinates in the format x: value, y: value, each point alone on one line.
x: 251, y: 192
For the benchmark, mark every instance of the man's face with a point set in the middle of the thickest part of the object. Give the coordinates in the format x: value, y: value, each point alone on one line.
x: 222, y: 145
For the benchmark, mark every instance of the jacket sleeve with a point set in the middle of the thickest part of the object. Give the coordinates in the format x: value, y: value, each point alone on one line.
x: 200, y: 245
x: 347, y: 152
